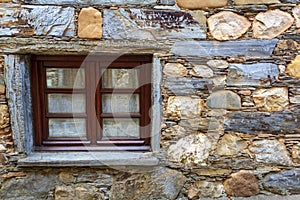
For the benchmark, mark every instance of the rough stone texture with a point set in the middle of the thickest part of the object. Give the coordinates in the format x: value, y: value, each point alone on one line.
x: 192, y: 150
x: 81, y: 192
x: 256, y: 122
x: 272, y: 23
x: 93, y: 2
x: 9, y: 19
x: 245, y: 2
x: 296, y: 153
x: 219, y: 64
x: 252, y: 74
x: 4, y: 116
x: 90, y: 23
x: 202, y: 71
x: 224, y: 99
x: 231, y: 144
x: 140, y: 24
x: 175, y: 70
x: 162, y: 184
x: 270, y: 100
x: 249, y: 48
x: 227, y: 25
x: 286, y: 182
x: 270, y: 151
x: 49, y: 20
x: 213, y: 172
x: 296, y: 14
x: 198, y: 4
x: 295, y: 99
x: 293, y: 69
x: 35, y: 185
x: 206, y: 189
x: 186, y: 86
x: 184, y: 107
x: 242, y: 184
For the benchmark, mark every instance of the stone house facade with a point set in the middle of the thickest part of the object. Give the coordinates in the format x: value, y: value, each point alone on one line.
x: 225, y: 98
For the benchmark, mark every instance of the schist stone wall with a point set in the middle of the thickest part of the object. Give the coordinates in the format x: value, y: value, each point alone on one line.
x: 230, y: 95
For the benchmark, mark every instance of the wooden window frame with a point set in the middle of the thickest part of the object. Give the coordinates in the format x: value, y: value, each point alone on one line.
x: 93, y: 91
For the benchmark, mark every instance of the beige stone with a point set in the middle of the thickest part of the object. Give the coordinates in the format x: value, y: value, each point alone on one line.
x: 271, y: 24
x: 64, y: 193
x: 295, y: 99
x: 231, y: 144
x: 192, y: 150
x: 293, y: 69
x: 245, y: 2
x: 270, y: 152
x: 242, y: 184
x: 296, y: 153
x: 202, y: 71
x: 219, y: 64
x: 219, y: 80
x: 270, y: 100
x: 90, y: 23
x: 227, y: 25
x: 184, y: 107
x: 198, y: 4
x: 206, y: 189
x: 296, y: 14
x: 4, y: 116
x: 213, y: 172
x: 66, y: 177
x: 175, y: 70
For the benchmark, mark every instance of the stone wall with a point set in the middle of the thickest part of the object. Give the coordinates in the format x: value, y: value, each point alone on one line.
x: 230, y: 95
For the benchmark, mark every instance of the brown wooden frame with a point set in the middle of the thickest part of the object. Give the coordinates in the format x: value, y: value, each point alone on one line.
x: 92, y: 65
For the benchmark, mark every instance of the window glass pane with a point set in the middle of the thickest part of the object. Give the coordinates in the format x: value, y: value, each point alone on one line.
x: 68, y: 127
x: 65, y: 78
x: 120, y: 103
x: 66, y: 103
x: 120, y: 78
x: 121, y: 128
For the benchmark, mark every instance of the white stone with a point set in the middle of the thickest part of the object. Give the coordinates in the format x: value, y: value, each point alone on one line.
x: 192, y: 150
x: 231, y: 144
x: 227, y: 25
x: 202, y: 71
x: 273, y: 99
x: 184, y: 107
x: 271, y: 24
x: 220, y: 64
x: 270, y: 152
x: 219, y: 80
x: 175, y: 70
x: 296, y: 14
x: 295, y: 99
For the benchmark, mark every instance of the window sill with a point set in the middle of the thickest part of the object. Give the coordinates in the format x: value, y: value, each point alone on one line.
x: 88, y: 159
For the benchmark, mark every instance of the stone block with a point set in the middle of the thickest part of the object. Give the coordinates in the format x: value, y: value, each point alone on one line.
x: 218, y: 64
x: 248, y: 48
x: 192, y: 150
x: 9, y: 19
x: 224, y: 99
x: 200, y: 4
x: 293, y: 69
x: 270, y: 152
x: 202, y: 189
x: 245, y: 2
x: 161, y: 183
x: 231, y: 144
x: 184, y: 107
x: 242, y: 184
x: 227, y: 25
x: 271, y: 24
x: 296, y: 14
x: 4, y: 116
x: 271, y: 100
x: 141, y: 24
x: 284, y: 183
x: 256, y: 122
x: 92, y: 2
x: 175, y: 70
x: 296, y: 153
x: 90, y: 23
x: 49, y: 20
x: 202, y: 71
x: 260, y: 74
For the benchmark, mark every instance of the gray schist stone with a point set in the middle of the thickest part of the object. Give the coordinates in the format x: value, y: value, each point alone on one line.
x: 185, y: 86
x: 8, y: 19
x: 92, y: 2
x: 252, y: 74
x: 287, y: 182
x: 140, y: 24
x: 249, y: 48
x: 256, y: 122
x: 49, y: 20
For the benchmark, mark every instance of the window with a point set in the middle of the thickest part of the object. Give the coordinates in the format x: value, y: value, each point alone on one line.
x: 94, y: 103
